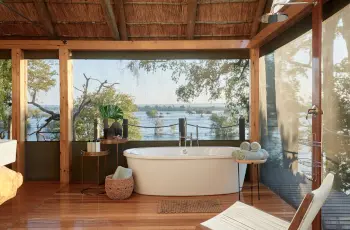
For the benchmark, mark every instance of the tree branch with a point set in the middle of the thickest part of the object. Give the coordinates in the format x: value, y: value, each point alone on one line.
x: 78, y: 89
x: 43, y: 126
x: 42, y: 108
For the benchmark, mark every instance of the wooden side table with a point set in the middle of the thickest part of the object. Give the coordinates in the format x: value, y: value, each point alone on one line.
x: 249, y: 162
x: 98, y: 155
x: 116, y: 142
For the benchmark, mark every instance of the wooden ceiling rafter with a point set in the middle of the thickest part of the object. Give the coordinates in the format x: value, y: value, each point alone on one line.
x: 257, y: 19
x: 184, y: 3
x: 45, y: 16
x: 191, y: 18
x: 270, y: 31
x: 225, y: 1
x: 121, y: 22
x: 110, y: 18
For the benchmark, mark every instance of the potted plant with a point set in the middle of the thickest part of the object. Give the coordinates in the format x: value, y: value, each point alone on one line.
x: 111, y: 112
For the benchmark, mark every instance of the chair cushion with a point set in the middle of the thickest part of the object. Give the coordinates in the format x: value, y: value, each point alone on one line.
x: 242, y: 216
x: 320, y: 196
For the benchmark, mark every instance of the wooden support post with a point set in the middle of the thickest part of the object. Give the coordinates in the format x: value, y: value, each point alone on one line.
x: 19, y: 104
x: 66, y: 113
x: 316, y: 100
x: 254, y: 102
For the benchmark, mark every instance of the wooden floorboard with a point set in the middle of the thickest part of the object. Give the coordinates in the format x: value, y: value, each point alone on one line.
x: 47, y: 205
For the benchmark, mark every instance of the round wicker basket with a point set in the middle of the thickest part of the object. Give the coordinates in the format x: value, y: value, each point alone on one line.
x: 119, y: 189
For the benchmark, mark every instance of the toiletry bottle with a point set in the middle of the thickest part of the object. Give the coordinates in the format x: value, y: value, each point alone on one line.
x: 98, y: 146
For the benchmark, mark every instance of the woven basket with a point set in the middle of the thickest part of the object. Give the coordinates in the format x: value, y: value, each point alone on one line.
x: 119, y: 189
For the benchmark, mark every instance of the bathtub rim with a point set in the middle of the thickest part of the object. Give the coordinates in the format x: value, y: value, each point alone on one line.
x: 180, y: 157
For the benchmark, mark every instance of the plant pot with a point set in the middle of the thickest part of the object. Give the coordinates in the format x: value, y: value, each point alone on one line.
x: 105, y: 123
x: 117, y: 129
x: 105, y: 133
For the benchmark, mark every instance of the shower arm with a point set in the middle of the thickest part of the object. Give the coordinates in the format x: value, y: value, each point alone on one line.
x: 291, y: 3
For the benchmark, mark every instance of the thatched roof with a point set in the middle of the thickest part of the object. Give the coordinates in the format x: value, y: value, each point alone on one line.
x: 127, y: 19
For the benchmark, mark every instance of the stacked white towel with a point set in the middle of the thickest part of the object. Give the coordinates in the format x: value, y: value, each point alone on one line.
x: 255, y: 146
x: 249, y: 151
x: 245, y: 145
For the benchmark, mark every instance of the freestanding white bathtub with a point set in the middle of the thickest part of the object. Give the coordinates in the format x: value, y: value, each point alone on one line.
x: 179, y: 171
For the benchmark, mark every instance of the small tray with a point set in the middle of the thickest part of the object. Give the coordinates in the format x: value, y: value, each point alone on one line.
x: 113, y: 141
x: 84, y: 153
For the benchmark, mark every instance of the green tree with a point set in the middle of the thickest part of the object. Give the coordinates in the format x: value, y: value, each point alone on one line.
x: 217, y: 78
x: 152, y: 113
x: 221, y: 126
x: 41, y: 79
x: 5, y: 95
x: 84, y: 121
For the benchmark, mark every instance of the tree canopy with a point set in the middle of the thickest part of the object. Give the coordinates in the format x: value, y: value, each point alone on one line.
x: 218, y: 79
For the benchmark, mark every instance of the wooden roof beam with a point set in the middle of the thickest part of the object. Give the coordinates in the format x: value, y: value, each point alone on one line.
x: 86, y: 45
x: 119, y: 6
x: 258, y: 14
x: 295, y: 13
x: 45, y: 17
x: 110, y: 18
x: 191, y: 18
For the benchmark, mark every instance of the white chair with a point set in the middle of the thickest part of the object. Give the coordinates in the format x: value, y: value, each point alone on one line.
x: 242, y: 216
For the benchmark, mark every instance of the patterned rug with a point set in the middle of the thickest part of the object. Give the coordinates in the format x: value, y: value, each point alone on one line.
x: 189, y: 206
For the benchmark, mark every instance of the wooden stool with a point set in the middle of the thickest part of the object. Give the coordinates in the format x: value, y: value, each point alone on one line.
x: 249, y: 162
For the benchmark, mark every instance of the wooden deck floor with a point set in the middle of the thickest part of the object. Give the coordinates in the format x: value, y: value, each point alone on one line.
x: 48, y: 205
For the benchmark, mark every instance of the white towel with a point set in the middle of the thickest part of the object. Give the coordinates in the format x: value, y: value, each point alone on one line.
x: 245, y: 145
x: 255, y: 146
x: 239, y: 154
x: 249, y: 155
x: 122, y: 173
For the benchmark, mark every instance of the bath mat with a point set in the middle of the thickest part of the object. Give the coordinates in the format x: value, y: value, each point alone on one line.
x: 189, y: 206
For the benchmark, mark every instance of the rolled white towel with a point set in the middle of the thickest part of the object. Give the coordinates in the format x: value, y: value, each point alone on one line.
x: 255, y: 146
x: 249, y: 155
x: 241, y: 154
x: 235, y: 154
x: 245, y: 145
x: 238, y: 154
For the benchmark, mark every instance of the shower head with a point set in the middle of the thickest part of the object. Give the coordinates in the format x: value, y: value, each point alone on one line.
x: 274, y: 17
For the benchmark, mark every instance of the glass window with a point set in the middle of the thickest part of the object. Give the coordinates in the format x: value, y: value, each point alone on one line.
x: 5, y: 98
x: 285, y: 96
x: 336, y: 119
x: 43, y: 100
x: 154, y: 94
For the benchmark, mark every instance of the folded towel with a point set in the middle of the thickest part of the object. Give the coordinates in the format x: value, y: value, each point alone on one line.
x: 245, y: 145
x: 255, y: 146
x: 249, y: 155
x: 122, y: 173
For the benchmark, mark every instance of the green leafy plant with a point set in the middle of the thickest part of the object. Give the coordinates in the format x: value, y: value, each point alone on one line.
x: 111, y: 112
